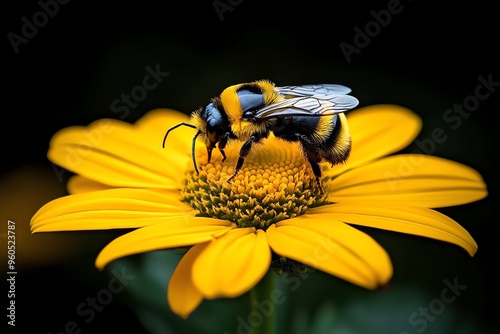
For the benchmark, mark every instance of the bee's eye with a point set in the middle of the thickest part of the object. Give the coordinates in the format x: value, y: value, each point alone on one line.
x: 250, y: 101
x: 213, y: 118
x: 211, y: 125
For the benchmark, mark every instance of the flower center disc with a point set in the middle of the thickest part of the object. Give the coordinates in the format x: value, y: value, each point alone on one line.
x: 275, y: 183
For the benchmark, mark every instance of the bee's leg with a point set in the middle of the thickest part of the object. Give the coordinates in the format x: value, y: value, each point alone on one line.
x: 317, y: 172
x: 244, y: 151
x: 209, y: 152
x: 314, y: 161
x: 222, y: 144
x: 223, y: 154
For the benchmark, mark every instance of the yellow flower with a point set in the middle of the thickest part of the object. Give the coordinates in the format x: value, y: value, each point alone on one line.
x: 268, y: 215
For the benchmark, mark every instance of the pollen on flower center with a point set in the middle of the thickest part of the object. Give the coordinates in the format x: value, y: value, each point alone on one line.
x: 275, y: 183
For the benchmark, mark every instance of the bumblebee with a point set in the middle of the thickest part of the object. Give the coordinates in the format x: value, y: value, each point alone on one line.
x: 312, y: 115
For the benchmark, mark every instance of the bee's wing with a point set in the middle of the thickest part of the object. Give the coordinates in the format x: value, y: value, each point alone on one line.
x: 312, y: 90
x: 320, y: 105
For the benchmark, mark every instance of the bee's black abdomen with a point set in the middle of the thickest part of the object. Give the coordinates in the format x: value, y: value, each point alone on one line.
x: 291, y: 128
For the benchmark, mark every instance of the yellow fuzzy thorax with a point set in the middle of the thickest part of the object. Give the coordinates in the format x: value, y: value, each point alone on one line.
x: 229, y: 98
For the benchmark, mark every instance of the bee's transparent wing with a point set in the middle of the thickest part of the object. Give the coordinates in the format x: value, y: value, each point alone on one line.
x: 313, y: 90
x: 308, y: 106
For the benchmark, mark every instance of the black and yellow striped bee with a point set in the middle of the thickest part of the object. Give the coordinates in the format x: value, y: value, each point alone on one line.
x: 312, y: 115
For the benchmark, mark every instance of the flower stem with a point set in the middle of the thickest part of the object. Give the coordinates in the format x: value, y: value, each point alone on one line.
x: 263, y: 305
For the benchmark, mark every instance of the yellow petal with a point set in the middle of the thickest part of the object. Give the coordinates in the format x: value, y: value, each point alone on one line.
x: 79, y: 184
x: 161, y: 119
x: 412, y: 179
x: 182, y: 295
x: 179, y: 232
x: 333, y: 247
x: 406, y: 219
x: 117, y: 154
x: 232, y: 264
x: 109, y: 209
x: 377, y: 131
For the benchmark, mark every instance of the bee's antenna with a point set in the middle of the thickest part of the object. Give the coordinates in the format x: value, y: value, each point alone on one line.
x: 175, y: 127
x: 193, y: 151
x: 194, y: 141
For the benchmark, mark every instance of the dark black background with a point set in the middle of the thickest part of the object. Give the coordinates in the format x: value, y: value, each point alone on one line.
x: 427, y: 58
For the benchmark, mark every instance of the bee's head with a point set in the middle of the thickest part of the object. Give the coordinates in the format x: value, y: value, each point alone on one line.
x: 212, y: 125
